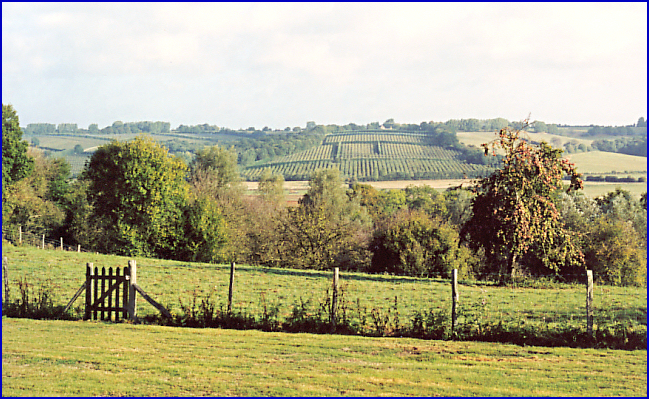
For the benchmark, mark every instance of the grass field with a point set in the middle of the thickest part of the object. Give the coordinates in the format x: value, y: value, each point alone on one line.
x: 295, y: 189
x: 477, y: 138
x: 172, y: 283
x: 607, y: 162
x: 59, y: 358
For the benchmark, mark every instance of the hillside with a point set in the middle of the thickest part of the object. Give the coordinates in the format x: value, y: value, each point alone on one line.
x: 597, y: 162
x: 372, y: 156
x: 361, y: 154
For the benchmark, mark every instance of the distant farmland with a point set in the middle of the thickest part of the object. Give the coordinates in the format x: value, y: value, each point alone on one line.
x: 372, y: 156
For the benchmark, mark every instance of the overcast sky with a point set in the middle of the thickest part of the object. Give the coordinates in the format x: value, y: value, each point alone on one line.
x: 282, y: 64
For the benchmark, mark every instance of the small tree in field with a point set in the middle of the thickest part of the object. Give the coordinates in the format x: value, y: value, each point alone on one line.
x: 514, y: 210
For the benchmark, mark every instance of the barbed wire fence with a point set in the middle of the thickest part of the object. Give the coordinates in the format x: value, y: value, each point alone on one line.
x: 538, y: 303
x: 17, y: 236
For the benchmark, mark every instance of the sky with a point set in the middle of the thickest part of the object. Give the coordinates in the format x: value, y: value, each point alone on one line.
x: 240, y: 65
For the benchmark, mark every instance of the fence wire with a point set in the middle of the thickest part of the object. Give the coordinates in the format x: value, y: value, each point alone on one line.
x: 179, y: 286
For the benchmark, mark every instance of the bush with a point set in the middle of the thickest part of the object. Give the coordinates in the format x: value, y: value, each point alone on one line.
x: 616, y: 253
x: 413, y: 244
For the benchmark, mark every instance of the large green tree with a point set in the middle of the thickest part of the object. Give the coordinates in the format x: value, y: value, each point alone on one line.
x: 137, y: 192
x: 16, y: 164
x: 514, y: 210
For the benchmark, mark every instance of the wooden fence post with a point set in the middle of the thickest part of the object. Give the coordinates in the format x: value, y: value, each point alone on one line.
x: 20, y: 234
x: 334, y: 300
x: 589, y: 302
x: 86, y: 315
x: 5, y: 278
x: 61, y: 243
x: 132, y: 303
x: 231, y: 288
x: 456, y: 298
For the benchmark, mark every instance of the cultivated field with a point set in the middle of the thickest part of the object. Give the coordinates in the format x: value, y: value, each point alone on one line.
x: 64, y: 358
x: 295, y: 189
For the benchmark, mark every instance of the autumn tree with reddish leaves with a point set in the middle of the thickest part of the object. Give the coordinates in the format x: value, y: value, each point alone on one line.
x: 514, y: 210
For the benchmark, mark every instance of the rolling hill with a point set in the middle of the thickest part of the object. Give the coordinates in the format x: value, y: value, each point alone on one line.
x: 372, y: 156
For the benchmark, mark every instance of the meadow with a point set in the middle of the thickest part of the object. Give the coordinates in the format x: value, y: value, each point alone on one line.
x: 477, y: 138
x: 375, y: 304
x: 67, y: 358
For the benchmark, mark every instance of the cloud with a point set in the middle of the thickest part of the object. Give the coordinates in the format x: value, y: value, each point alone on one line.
x: 281, y: 64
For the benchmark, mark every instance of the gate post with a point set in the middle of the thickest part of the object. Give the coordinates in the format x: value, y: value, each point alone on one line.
x: 86, y: 315
x: 132, y: 304
x: 589, y: 302
x: 456, y: 298
x: 334, y: 300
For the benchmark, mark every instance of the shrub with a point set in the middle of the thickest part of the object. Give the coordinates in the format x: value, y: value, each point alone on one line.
x: 414, y: 244
x: 616, y: 254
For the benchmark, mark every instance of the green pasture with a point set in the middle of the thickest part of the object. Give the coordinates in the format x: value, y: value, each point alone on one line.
x: 66, y: 358
x: 477, y: 138
x: 607, y: 162
x: 68, y: 142
x: 255, y: 288
x: 598, y: 189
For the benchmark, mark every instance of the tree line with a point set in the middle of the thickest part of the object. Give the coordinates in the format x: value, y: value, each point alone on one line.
x: 134, y: 198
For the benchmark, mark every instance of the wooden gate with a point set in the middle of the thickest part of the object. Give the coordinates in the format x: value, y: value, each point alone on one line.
x: 106, y: 293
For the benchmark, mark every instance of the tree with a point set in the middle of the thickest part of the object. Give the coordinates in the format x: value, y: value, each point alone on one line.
x: 540, y: 127
x: 16, y: 164
x: 514, y: 209
x: 327, y: 229
x: 205, y: 234
x: 36, y: 203
x: 137, y: 192
x: 271, y: 187
x: 426, y: 199
x: 414, y: 244
x: 214, y: 172
x: 616, y: 253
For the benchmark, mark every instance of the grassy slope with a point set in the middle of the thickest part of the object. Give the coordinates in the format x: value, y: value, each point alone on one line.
x: 477, y: 138
x: 56, y: 358
x: 170, y: 282
x: 605, y: 162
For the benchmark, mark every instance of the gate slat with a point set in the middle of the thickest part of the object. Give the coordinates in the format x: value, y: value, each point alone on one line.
x: 103, y: 288
x: 117, y: 281
x: 96, y: 295
x: 127, y: 272
x: 110, y: 292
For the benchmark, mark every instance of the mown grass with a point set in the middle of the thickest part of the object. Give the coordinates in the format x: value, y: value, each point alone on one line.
x: 65, y: 358
x: 607, y: 162
x: 598, y: 189
x: 372, y: 304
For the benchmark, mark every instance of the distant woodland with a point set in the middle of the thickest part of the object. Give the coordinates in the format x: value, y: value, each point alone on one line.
x: 362, y: 152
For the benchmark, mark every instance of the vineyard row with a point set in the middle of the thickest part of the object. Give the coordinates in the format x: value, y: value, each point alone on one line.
x: 373, y: 169
x: 379, y: 150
